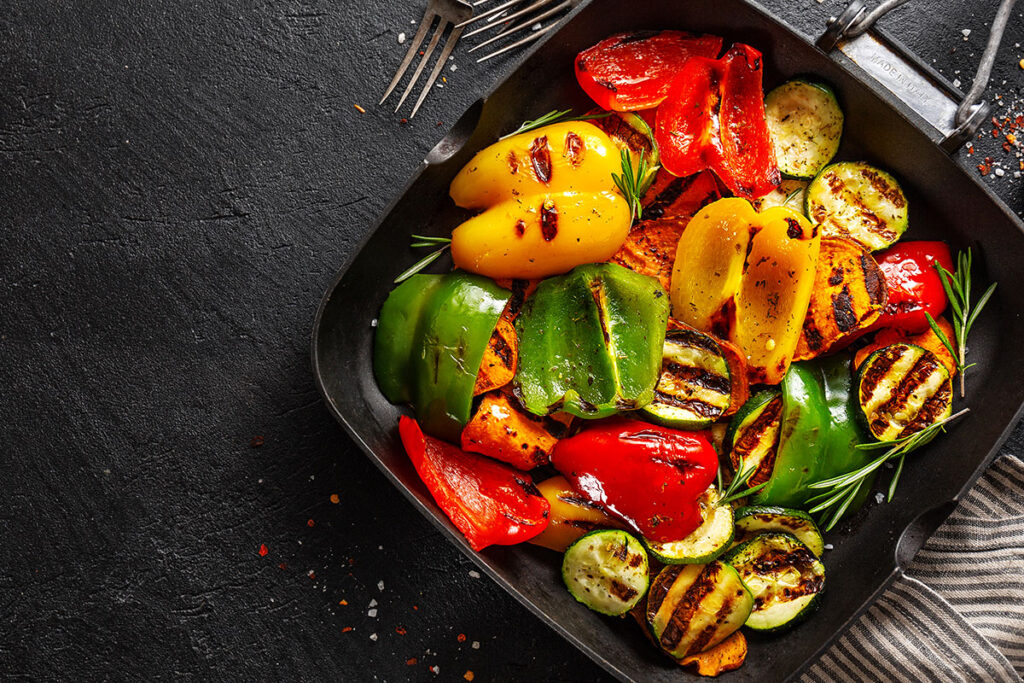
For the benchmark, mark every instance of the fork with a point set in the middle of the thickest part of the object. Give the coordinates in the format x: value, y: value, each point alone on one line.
x: 498, y: 16
x: 448, y: 13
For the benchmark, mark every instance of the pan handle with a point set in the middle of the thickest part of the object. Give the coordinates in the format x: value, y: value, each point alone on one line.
x: 953, y: 116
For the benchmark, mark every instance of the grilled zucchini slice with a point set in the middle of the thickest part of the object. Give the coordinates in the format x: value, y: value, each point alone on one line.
x: 607, y: 571
x: 902, y: 389
x: 806, y: 125
x: 706, y: 542
x: 694, y: 388
x: 857, y: 201
x: 791, y: 193
x: 693, y: 607
x: 628, y: 131
x: 754, y: 434
x: 784, y: 577
x: 758, y: 519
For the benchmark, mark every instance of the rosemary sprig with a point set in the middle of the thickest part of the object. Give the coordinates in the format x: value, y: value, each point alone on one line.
x: 735, y: 490
x: 419, y: 241
x: 958, y: 291
x: 839, y: 492
x: 555, y: 116
x: 634, y: 184
x: 789, y: 197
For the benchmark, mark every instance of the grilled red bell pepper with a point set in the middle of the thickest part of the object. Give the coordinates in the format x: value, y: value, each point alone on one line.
x: 490, y: 503
x: 631, y: 71
x: 648, y: 476
x: 713, y: 117
x: 913, y: 283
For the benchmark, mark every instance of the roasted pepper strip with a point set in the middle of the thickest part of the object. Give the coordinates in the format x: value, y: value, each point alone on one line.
x: 431, y: 336
x: 630, y: 71
x: 774, y: 292
x: 713, y: 117
x: 590, y: 342
x: 747, y: 277
x: 489, y: 502
x: 819, y: 432
x: 572, y: 515
x: 650, y: 477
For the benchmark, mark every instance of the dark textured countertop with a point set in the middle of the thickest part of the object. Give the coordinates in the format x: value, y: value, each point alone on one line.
x: 179, y: 184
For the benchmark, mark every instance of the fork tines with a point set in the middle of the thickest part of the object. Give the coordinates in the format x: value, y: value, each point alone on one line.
x: 532, y: 12
x: 446, y: 13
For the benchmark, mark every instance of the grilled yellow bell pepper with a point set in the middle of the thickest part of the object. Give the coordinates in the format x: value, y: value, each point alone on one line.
x: 747, y: 277
x: 709, y: 264
x: 575, y: 155
x: 774, y: 293
x: 543, y: 234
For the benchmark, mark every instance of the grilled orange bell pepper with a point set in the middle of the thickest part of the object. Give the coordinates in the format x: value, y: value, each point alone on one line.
x: 747, y: 277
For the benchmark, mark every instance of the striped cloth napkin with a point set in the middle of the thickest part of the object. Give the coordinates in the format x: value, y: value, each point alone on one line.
x: 958, y: 613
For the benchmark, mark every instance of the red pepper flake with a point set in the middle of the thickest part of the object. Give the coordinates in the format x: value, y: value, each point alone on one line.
x: 995, y: 122
x: 461, y: 637
x: 400, y: 630
x: 411, y: 661
x: 440, y: 123
x: 311, y: 574
x: 1006, y: 147
x: 310, y: 523
x: 995, y: 132
x: 346, y: 629
x: 264, y: 550
x: 335, y: 499
x: 416, y: 607
x: 342, y: 602
x: 468, y: 675
x: 403, y: 121
x: 256, y: 442
x: 359, y: 109
x: 283, y: 565
x: 983, y: 169
x: 1011, y: 138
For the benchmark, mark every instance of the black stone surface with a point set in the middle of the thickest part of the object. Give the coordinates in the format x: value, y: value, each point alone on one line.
x: 179, y: 183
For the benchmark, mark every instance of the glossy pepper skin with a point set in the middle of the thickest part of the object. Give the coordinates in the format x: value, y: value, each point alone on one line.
x: 913, y: 283
x: 630, y: 71
x: 713, y: 117
x: 649, y: 476
x: 489, y: 502
x: 819, y: 433
x: 431, y: 336
x: 539, y: 235
x: 590, y: 342
x: 747, y: 276
x: 575, y: 155
x: 549, y: 202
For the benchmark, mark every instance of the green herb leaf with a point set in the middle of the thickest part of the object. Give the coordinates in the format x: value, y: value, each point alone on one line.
x: 420, y: 241
x: 634, y: 184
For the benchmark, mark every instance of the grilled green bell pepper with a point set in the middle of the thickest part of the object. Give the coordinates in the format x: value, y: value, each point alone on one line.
x: 431, y: 336
x: 590, y: 342
x: 819, y: 432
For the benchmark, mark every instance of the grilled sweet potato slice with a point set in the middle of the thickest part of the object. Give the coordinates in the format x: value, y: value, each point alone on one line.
x: 926, y: 340
x: 501, y: 430
x: 650, y: 248
x: 849, y: 294
x: 726, y: 656
x: 498, y: 366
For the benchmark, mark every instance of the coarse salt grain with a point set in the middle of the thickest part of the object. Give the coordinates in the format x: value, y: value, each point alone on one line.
x: 966, y: 32
x: 956, y: 82
x: 475, y: 645
x: 371, y: 613
x: 373, y: 603
x: 373, y: 637
x: 1000, y: 172
x: 473, y: 574
x: 879, y: 497
x: 380, y: 585
x: 436, y: 669
x: 401, y: 38
x: 829, y: 546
